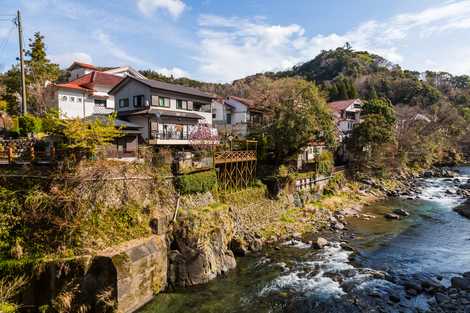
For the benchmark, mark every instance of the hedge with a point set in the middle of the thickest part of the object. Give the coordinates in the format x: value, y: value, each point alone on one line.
x: 196, y: 183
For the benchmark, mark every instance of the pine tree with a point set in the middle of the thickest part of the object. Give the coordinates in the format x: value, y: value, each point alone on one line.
x: 39, y: 70
x: 372, y: 93
x: 333, y: 92
x: 342, y: 89
x: 353, y: 94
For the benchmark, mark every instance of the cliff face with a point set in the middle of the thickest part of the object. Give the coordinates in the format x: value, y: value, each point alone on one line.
x: 199, y: 249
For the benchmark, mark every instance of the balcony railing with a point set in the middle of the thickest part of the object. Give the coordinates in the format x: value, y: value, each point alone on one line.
x: 170, y: 135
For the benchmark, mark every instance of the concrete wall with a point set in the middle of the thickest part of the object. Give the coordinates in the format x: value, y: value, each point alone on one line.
x: 121, y: 279
x: 141, y: 268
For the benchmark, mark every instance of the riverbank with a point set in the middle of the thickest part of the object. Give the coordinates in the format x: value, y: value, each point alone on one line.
x: 372, y: 264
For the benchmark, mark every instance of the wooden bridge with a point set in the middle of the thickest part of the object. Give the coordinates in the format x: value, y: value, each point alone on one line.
x: 236, y: 169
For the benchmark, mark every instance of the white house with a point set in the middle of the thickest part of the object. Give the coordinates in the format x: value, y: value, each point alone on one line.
x: 235, y: 116
x: 167, y: 113
x: 78, y: 69
x: 86, y: 92
x: 347, y: 113
x: 84, y: 96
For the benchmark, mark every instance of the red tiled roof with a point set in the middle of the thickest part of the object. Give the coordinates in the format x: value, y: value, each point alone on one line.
x: 86, y: 82
x: 83, y: 65
x: 71, y: 86
x: 338, y: 106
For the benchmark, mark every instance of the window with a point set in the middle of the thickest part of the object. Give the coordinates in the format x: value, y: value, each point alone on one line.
x: 138, y: 101
x: 64, y: 98
x: 79, y: 99
x: 229, y: 118
x: 182, y: 104
x: 100, y: 103
x: 124, y: 103
x: 164, y: 102
x: 72, y: 99
x: 214, y: 113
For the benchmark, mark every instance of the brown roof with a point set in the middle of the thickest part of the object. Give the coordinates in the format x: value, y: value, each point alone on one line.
x: 86, y: 82
x: 249, y: 103
x: 72, y: 86
x: 80, y: 64
x: 338, y: 106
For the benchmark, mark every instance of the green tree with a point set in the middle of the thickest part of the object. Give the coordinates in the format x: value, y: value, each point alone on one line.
x: 39, y: 70
x: 300, y: 114
x: 380, y: 107
x: 88, y: 135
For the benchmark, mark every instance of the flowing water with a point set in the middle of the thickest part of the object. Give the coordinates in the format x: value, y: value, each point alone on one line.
x: 433, y: 242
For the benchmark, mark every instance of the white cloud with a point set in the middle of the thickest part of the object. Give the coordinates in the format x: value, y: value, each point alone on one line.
x: 68, y: 58
x: 117, y: 51
x: 175, y: 72
x: 235, y: 47
x: 148, y: 7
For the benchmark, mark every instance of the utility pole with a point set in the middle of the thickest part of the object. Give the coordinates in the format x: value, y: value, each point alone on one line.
x: 23, y: 77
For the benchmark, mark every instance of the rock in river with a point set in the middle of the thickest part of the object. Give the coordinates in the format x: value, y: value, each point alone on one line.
x: 462, y: 283
x: 392, y: 216
x: 464, y: 209
x: 319, y: 243
x: 401, y: 212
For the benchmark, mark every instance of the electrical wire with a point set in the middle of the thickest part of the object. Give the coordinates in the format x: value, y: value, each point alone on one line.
x: 5, y: 41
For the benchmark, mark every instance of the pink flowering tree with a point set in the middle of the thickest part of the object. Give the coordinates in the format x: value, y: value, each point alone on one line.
x: 203, y: 137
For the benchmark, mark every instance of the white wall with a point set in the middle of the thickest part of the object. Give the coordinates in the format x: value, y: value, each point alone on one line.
x: 78, y: 108
x: 240, y: 112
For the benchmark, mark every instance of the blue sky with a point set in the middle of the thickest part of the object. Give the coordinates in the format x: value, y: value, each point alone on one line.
x: 222, y: 40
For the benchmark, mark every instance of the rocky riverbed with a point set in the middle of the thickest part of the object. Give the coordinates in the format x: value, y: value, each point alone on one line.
x: 361, y: 262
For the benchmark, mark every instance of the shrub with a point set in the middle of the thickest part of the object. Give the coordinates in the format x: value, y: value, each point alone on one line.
x: 197, y: 183
x: 335, y: 182
x: 325, y: 162
x: 29, y: 124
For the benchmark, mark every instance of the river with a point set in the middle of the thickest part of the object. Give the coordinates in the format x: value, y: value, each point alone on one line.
x: 433, y: 242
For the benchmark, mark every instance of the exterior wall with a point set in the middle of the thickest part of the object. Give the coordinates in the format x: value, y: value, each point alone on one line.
x: 206, y: 115
x: 78, y: 72
x: 132, y: 88
x: 143, y: 122
x: 240, y: 112
x: 219, y: 110
x: 74, y: 109
x: 110, y: 103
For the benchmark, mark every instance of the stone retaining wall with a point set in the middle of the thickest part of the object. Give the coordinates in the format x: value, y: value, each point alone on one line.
x: 141, y: 268
x: 121, y: 279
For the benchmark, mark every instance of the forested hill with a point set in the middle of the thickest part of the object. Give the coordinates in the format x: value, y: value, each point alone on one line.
x: 345, y: 73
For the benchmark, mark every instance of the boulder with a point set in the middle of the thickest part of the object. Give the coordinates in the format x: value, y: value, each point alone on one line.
x: 401, y: 212
x: 465, y: 186
x: 338, y: 226
x: 239, y: 247
x: 320, y: 243
x: 392, y: 216
x: 464, y: 209
x: 462, y: 283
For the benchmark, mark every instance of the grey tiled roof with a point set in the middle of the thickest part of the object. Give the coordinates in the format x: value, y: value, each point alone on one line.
x: 167, y: 86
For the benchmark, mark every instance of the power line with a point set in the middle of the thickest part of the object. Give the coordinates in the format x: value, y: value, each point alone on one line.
x: 5, y: 41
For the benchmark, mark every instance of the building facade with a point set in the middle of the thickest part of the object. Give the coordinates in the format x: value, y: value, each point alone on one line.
x: 169, y: 114
x: 236, y: 116
x: 347, y: 114
x: 86, y: 92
